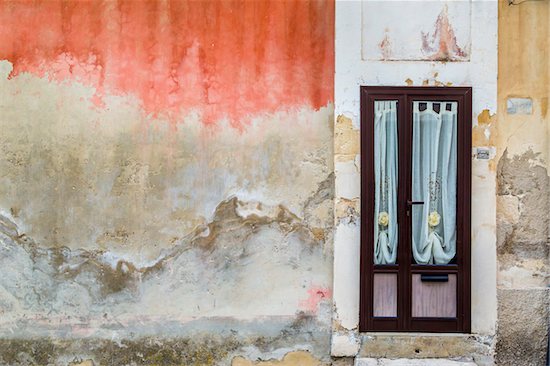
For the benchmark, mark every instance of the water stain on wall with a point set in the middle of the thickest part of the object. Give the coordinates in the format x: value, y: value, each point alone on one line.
x: 166, y: 168
x: 229, y: 60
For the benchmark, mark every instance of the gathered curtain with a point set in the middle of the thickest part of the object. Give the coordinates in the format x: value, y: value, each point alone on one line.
x: 434, y: 182
x: 385, y: 173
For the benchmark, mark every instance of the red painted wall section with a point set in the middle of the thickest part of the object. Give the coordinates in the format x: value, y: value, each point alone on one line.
x: 227, y: 59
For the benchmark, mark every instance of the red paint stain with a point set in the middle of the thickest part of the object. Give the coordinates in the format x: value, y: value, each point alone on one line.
x: 316, y: 295
x: 442, y: 45
x: 228, y: 59
x: 385, y: 46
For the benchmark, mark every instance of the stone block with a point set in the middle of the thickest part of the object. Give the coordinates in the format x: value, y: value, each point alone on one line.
x: 522, y: 335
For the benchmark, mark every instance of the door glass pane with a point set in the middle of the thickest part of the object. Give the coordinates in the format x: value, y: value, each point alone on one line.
x: 434, y: 171
x: 385, y: 175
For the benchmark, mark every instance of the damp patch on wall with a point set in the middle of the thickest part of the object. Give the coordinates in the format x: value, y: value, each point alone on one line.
x: 440, y: 31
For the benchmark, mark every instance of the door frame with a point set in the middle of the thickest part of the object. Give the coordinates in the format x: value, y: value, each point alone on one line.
x: 404, y: 321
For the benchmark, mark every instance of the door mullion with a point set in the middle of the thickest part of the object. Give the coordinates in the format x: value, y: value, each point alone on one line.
x: 402, y: 198
x: 407, y: 182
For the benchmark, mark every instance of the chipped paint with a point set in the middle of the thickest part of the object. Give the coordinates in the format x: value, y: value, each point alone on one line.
x: 347, y: 209
x: 484, y: 117
x: 484, y: 133
x: 433, y: 81
x: 346, y: 139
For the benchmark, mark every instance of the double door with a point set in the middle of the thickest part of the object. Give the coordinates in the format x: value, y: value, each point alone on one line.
x: 415, y: 207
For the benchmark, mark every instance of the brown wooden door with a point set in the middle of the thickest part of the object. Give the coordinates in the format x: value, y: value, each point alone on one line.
x: 415, y: 204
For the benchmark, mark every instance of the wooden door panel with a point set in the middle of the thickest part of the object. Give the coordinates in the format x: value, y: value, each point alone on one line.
x: 385, y: 295
x: 434, y: 299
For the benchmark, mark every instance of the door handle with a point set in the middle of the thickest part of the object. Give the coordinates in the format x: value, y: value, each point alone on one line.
x: 410, y: 203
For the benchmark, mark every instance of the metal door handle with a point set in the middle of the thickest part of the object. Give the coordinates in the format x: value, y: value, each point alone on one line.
x: 410, y: 203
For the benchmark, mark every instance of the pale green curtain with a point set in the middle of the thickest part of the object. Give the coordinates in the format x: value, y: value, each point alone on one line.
x: 434, y: 174
x: 385, y: 173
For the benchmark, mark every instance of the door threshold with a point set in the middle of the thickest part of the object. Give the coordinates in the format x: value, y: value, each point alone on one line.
x: 416, y: 334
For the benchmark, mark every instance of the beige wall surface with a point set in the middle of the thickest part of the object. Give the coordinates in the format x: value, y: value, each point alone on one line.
x: 523, y: 183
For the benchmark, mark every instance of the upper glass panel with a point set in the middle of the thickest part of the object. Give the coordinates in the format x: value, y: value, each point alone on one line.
x: 385, y: 175
x: 434, y: 177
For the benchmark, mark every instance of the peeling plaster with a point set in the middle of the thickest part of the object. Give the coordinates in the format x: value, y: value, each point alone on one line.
x: 346, y: 139
x: 345, y: 344
x: 524, y: 178
x: 346, y: 279
x: 154, y: 207
x: 484, y: 133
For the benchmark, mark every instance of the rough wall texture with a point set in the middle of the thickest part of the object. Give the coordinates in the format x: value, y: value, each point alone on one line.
x: 523, y: 184
x: 166, y: 181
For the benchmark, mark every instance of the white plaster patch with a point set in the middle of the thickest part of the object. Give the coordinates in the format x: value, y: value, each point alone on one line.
x: 348, y: 181
x: 344, y: 344
x: 519, y: 106
x: 483, y: 256
x: 346, y: 279
x: 6, y: 68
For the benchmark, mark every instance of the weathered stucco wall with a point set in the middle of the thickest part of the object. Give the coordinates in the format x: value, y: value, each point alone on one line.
x: 166, y: 181
x: 442, y: 62
x: 523, y: 184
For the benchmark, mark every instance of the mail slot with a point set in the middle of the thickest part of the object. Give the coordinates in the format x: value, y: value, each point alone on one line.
x: 434, y: 278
